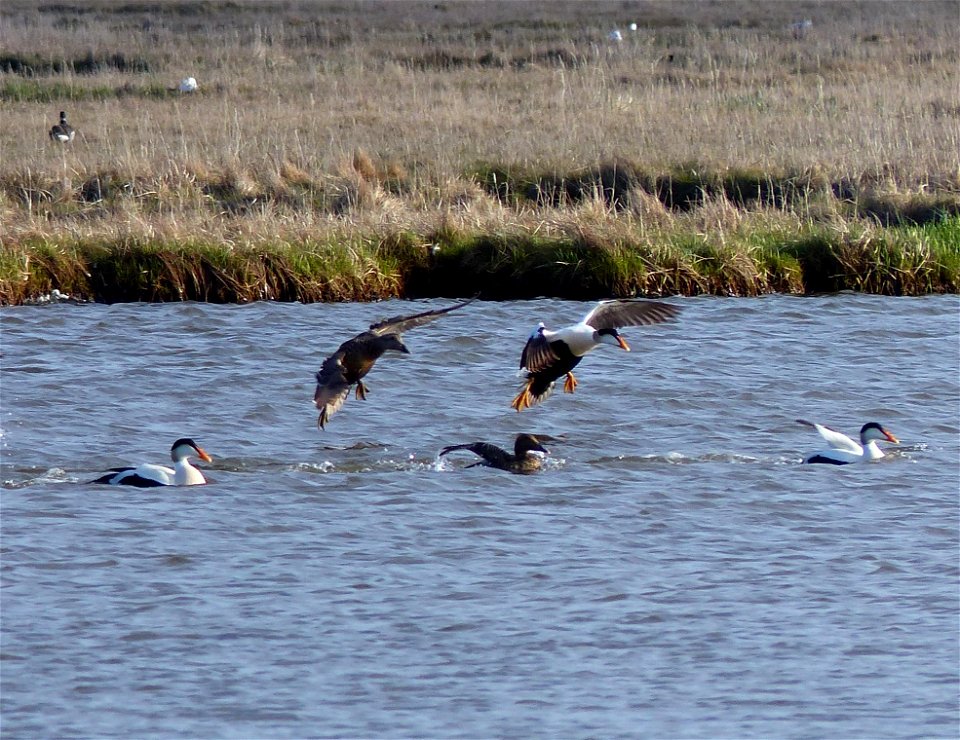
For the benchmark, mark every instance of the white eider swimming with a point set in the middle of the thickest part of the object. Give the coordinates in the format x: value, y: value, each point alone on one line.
x: 844, y: 450
x: 149, y: 475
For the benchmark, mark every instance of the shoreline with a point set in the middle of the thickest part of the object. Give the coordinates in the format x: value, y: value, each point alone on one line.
x: 521, y: 264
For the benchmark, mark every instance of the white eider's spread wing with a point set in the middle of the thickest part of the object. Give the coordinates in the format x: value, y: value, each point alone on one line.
x: 142, y: 476
x: 537, y: 353
x: 400, y: 324
x: 837, y: 440
x: 629, y: 312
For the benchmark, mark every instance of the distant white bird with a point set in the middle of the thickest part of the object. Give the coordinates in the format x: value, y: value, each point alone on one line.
x: 800, y: 28
x: 63, y: 131
x: 188, y: 85
x: 633, y: 26
x: 615, y: 36
x: 844, y: 450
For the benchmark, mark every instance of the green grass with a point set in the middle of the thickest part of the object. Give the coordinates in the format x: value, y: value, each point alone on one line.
x: 29, y: 90
x: 128, y: 269
x: 689, y: 185
x: 449, y: 262
x: 31, y: 65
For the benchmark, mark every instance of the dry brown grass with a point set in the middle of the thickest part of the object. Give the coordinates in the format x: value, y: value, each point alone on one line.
x: 871, y: 89
x: 322, y: 120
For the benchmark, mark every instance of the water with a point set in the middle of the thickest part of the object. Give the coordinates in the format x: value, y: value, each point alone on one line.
x: 673, y: 572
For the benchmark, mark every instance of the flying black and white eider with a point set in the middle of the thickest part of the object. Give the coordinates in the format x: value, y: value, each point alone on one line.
x: 527, y: 455
x: 549, y: 355
x: 62, y: 132
x: 149, y: 475
x: 355, y: 358
x: 844, y: 450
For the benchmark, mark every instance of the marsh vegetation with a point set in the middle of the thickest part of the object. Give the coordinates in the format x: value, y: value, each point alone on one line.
x: 354, y: 151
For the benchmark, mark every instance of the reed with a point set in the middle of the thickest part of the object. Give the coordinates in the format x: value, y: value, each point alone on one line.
x: 346, y: 151
x: 450, y: 261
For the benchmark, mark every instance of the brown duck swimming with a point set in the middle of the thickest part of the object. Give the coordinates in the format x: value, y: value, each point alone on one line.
x: 355, y: 358
x: 527, y: 454
x: 549, y: 355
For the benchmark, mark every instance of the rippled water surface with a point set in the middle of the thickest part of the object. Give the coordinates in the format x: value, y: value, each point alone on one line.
x: 674, y: 571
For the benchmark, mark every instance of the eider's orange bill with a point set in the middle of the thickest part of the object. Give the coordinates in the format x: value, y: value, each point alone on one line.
x: 623, y: 343
x: 204, y: 456
x: 891, y: 437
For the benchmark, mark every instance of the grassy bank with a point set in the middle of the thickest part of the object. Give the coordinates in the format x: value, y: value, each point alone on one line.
x: 450, y: 262
x: 352, y: 151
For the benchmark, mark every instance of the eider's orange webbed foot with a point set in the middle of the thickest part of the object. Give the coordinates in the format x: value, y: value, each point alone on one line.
x: 570, y: 384
x: 524, y: 399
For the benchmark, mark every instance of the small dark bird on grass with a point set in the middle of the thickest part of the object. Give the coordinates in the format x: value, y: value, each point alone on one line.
x: 356, y: 357
x: 63, y: 131
x: 527, y: 454
x: 550, y: 355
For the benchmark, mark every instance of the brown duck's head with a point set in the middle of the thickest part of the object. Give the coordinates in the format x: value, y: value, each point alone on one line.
x: 527, y: 444
x: 393, y: 342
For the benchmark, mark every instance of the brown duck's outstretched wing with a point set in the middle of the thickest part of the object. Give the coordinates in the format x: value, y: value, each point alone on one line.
x: 332, y: 387
x: 537, y: 353
x: 493, y: 455
x: 630, y: 312
x: 400, y: 324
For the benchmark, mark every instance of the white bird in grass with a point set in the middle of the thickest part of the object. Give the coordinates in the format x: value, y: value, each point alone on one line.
x: 844, y: 450
x: 149, y: 475
x: 187, y: 85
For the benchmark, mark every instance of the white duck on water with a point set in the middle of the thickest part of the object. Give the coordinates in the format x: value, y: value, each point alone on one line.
x: 844, y: 450
x: 149, y: 475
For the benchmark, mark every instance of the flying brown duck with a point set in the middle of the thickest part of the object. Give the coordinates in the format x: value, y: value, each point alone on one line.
x: 355, y: 358
x: 527, y: 454
x: 549, y: 355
